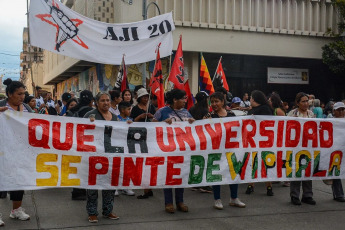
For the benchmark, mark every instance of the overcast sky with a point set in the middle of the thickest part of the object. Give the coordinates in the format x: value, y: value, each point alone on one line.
x: 12, y: 22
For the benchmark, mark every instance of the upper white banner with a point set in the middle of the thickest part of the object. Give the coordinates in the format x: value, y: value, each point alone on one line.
x: 56, y: 28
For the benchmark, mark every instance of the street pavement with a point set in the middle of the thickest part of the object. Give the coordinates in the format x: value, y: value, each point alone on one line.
x: 54, y: 209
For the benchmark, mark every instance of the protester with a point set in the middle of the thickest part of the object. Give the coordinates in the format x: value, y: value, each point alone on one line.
x: 84, y: 106
x: 328, y: 109
x: 260, y: 106
x: 50, y: 101
x: 31, y: 101
x: 39, y: 98
x: 15, y: 92
x: 176, y: 111
x: 143, y: 112
x: 337, y: 187
x: 65, y: 97
x: 198, y: 111
x: 302, y: 110
x: 135, y: 92
x: 245, y: 103
x: 45, y: 108
x: 127, y: 96
x: 71, y: 103
x: 219, y: 111
x: 115, y: 100
x: 101, y: 113
x: 318, y: 113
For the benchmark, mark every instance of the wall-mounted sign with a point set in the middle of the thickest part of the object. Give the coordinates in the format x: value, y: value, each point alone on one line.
x: 287, y: 76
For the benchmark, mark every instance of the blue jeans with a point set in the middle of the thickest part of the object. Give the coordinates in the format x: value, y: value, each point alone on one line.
x: 168, y: 195
x: 233, y: 191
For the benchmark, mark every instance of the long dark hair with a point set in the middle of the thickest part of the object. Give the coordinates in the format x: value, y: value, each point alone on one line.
x: 200, y: 109
x: 84, y: 100
x: 123, y: 93
x: 276, y: 101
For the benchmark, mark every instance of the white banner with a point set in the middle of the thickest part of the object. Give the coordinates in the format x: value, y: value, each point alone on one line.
x: 58, y: 29
x: 287, y: 76
x: 42, y: 151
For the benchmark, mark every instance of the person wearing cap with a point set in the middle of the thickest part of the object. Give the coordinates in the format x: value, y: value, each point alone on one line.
x: 143, y: 111
x: 337, y: 187
x: 135, y: 92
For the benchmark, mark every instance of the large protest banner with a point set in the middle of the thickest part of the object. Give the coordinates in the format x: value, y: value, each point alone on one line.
x: 47, y: 151
x: 58, y: 29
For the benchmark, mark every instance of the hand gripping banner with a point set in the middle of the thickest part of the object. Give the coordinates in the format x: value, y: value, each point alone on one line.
x: 42, y: 151
x: 58, y: 29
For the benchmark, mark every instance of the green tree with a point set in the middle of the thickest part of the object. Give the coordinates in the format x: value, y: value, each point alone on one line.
x: 333, y: 54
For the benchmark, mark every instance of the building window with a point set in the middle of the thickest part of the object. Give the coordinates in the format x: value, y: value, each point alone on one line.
x: 111, y: 15
x: 107, y: 9
x: 99, y: 9
x: 103, y: 4
x: 107, y: 20
x: 112, y: 4
x: 103, y: 14
x: 99, y: 19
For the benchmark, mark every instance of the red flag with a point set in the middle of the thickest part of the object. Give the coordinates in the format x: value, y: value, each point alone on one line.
x: 220, y: 75
x: 156, y: 82
x: 189, y: 95
x: 176, y: 75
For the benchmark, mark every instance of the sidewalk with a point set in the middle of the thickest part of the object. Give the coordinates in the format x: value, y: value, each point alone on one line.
x: 54, y: 209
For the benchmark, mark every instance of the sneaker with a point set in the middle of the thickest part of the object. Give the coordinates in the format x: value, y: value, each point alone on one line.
x: 93, y: 219
x: 128, y: 192
x: 19, y: 213
x: 237, y: 203
x: 250, y: 189
x: 112, y: 216
x: 270, y: 191
x: 308, y: 200
x: 218, y: 204
x: 2, y: 223
x: 117, y: 193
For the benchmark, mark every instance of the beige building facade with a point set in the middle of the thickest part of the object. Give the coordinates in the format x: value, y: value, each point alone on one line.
x: 284, y: 33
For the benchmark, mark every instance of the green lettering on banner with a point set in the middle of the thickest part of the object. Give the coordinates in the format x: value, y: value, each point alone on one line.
x: 211, y: 167
x: 196, y: 178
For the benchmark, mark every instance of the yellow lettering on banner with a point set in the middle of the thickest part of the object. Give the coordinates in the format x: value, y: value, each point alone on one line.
x: 288, y: 163
x: 231, y: 165
x: 66, y: 170
x: 52, y: 169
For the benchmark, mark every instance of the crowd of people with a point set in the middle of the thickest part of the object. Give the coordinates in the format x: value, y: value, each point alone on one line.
x: 140, y: 106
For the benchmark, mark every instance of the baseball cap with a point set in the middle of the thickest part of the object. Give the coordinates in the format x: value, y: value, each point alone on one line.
x: 236, y: 100
x: 338, y: 105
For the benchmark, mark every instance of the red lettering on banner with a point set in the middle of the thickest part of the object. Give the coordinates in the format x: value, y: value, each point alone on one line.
x: 159, y: 136
x: 182, y: 137
x: 280, y: 133
x: 57, y: 144
x: 310, y: 125
x: 171, y: 171
x: 81, y: 138
x: 326, y: 126
x: 32, y: 126
x: 266, y: 133
x: 115, y: 173
x: 132, y: 172
x: 247, y: 136
x: 200, y: 132
x: 154, y: 162
x: 231, y: 134
x: 280, y: 163
x: 93, y: 171
x: 215, y: 134
x: 292, y: 125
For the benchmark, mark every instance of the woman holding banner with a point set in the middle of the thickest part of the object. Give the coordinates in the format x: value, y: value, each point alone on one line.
x: 302, y: 110
x: 219, y: 111
x: 101, y: 113
x: 260, y: 106
x: 15, y: 92
x: 176, y: 98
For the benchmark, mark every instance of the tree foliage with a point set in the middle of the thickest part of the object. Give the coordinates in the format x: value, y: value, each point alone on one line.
x: 333, y: 54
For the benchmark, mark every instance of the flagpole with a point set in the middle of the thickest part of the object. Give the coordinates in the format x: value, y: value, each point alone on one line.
x: 147, y: 109
x: 220, y: 59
